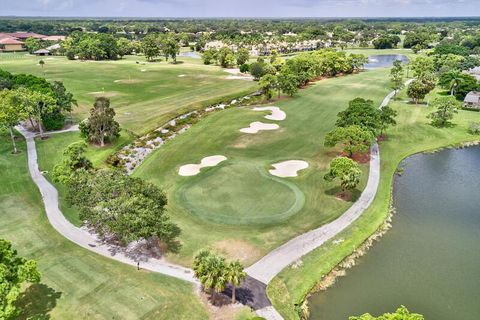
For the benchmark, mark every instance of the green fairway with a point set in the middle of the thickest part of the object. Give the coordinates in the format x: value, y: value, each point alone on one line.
x: 412, y: 134
x: 78, y: 284
x: 238, y: 207
x: 145, y: 95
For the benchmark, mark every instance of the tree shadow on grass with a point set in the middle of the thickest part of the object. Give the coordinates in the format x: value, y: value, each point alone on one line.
x: 37, y: 302
x: 353, y: 195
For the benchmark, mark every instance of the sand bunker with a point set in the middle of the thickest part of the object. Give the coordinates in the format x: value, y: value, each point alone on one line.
x: 181, y: 75
x: 232, y: 71
x: 128, y: 81
x: 246, y: 78
x: 194, y: 169
x: 277, y: 114
x: 259, y: 126
x: 288, y: 168
x: 106, y: 94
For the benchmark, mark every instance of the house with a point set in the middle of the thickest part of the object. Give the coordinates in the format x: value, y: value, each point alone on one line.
x: 11, y: 45
x: 54, y: 38
x: 42, y: 52
x: 472, y: 100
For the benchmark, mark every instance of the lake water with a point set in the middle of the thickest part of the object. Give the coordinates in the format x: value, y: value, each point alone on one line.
x: 384, y: 61
x: 430, y: 260
x: 190, y: 54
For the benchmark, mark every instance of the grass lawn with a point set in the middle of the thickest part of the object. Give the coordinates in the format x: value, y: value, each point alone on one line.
x: 50, y: 153
x: 413, y: 134
x: 237, y: 207
x: 144, y: 95
x: 78, y: 284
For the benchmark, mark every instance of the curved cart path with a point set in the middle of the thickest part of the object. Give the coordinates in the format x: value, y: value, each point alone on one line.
x: 263, y: 270
x: 81, y: 236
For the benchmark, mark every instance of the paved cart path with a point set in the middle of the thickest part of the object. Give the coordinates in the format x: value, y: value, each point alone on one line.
x: 263, y: 270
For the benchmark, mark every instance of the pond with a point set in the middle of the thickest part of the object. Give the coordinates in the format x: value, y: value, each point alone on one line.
x: 430, y: 260
x: 383, y: 61
x: 190, y: 54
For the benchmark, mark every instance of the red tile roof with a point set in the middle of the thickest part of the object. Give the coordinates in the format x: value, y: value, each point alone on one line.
x: 10, y: 41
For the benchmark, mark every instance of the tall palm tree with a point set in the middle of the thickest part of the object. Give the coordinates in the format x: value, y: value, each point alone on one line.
x: 451, y: 80
x: 212, y: 273
x: 235, y: 274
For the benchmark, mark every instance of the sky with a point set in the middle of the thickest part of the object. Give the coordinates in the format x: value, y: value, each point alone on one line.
x: 240, y: 8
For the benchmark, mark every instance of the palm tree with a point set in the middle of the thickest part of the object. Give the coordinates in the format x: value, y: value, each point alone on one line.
x: 451, y: 80
x: 210, y: 269
x: 42, y: 63
x: 235, y: 274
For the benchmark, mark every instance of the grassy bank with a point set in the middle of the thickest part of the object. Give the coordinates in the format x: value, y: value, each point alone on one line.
x: 78, y: 284
x: 413, y: 134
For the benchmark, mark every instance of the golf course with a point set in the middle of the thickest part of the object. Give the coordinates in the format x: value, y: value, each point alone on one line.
x: 145, y: 94
x: 241, y: 181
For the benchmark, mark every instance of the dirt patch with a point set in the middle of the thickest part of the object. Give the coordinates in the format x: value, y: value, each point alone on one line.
x: 237, y: 250
x: 225, y: 311
x: 358, y: 157
x: 106, y: 94
x: 344, y: 196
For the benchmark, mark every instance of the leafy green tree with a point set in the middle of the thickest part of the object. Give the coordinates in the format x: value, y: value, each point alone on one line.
x: 42, y: 64
x: 225, y: 57
x: 209, y: 56
x: 346, y: 170
x: 33, y: 44
x: 74, y: 159
x: 101, y: 125
x: 268, y: 83
x: 235, y: 274
x: 466, y: 84
x: 171, y: 47
x: 257, y: 70
x: 360, y: 112
x: 15, y: 272
x: 445, y: 107
x: 396, y: 76
x: 387, y: 41
x: 401, y: 314
x: 36, y: 104
x: 151, y: 46
x: 288, y: 82
x: 124, y: 47
x: 12, y: 111
x: 242, y: 56
x: 422, y: 65
x: 353, y: 138
x: 387, y: 118
x: 127, y: 208
x: 450, y: 80
x: 419, y: 88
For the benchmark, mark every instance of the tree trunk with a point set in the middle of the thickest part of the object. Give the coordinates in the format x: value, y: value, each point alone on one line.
x: 13, y: 140
x: 31, y: 123
x: 451, y: 91
x: 233, y: 294
x: 102, y: 139
x: 40, y: 127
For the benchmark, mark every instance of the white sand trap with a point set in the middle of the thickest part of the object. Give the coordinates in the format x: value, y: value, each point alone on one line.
x: 277, y: 114
x: 181, y: 75
x: 259, y: 126
x: 194, y: 169
x: 232, y: 71
x: 246, y: 78
x: 143, y: 70
x: 288, y: 168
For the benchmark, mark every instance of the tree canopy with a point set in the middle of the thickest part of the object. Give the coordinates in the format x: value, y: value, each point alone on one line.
x: 15, y: 272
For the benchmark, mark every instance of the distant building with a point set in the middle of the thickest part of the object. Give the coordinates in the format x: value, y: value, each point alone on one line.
x: 11, y: 45
x: 14, y: 41
x: 472, y: 100
x: 42, y: 52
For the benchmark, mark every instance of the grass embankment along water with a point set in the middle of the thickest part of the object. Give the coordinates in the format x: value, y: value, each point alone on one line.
x: 145, y: 95
x: 413, y: 134
x: 78, y: 284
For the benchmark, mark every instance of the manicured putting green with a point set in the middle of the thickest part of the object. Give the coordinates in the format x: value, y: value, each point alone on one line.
x: 240, y: 193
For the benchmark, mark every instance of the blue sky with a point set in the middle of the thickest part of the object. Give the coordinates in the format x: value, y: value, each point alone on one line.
x: 241, y: 8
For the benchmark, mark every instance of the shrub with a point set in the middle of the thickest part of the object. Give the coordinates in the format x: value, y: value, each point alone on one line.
x: 244, y: 68
x: 53, y: 121
x: 474, y: 128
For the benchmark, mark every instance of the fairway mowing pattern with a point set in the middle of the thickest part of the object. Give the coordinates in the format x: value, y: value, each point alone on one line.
x: 240, y: 193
